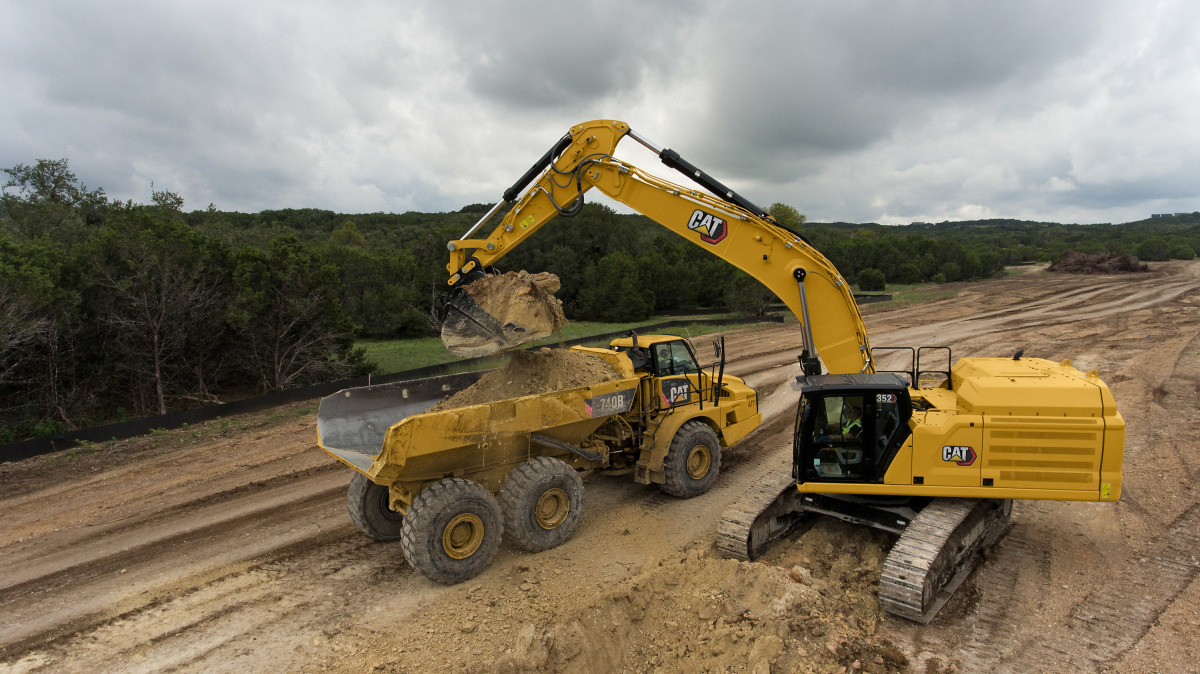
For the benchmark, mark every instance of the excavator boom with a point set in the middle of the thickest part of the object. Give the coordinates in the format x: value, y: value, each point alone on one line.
x: 727, y: 225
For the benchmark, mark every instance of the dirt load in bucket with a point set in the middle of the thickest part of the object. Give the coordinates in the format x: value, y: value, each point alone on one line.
x: 501, y: 311
x: 1073, y: 262
x: 532, y: 372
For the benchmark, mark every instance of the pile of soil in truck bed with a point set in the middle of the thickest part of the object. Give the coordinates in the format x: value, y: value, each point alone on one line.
x: 532, y: 372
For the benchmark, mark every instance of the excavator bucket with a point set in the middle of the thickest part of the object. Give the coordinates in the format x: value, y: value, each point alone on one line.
x: 501, y: 311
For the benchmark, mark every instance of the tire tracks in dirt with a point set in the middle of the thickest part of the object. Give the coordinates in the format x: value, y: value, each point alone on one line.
x: 283, y: 581
x: 57, y: 586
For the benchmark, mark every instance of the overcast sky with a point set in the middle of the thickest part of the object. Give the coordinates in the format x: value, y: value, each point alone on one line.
x: 890, y: 112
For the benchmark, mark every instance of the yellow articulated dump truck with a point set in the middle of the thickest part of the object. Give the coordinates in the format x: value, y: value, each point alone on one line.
x: 449, y: 483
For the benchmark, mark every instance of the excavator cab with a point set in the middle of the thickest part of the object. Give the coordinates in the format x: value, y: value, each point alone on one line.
x: 849, y: 427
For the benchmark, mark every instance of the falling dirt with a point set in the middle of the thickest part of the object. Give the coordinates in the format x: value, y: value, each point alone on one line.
x: 522, y: 303
x: 531, y: 372
x: 227, y: 547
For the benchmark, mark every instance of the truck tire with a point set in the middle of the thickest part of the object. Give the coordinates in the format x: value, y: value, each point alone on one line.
x: 543, y: 504
x: 370, y: 510
x: 452, y: 531
x: 692, y: 461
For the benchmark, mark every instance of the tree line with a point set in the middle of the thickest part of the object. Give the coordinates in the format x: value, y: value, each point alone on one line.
x: 113, y: 310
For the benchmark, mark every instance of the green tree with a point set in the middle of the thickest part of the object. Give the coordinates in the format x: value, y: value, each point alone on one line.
x: 744, y: 294
x: 787, y: 216
x: 1182, y: 251
x: 909, y: 272
x: 288, y: 313
x: 871, y: 280
x: 614, y: 291
x: 1154, y: 250
x: 950, y: 271
x: 348, y: 235
x: 161, y: 295
x: 47, y: 198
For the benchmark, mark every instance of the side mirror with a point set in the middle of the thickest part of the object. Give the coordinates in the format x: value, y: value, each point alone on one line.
x: 638, y: 357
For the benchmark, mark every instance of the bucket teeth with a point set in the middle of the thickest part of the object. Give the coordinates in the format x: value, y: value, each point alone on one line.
x: 468, y: 330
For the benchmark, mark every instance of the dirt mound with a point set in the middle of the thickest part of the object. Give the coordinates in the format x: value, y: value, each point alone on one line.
x: 523, y: 305
x: 811, y: 606
x: 531, y: 372
x: 1072, y: 262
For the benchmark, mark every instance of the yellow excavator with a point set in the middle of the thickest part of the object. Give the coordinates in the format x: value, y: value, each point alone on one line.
x: 933, y: 453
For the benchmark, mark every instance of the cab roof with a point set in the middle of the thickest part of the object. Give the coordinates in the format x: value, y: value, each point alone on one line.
x: 645, y: 340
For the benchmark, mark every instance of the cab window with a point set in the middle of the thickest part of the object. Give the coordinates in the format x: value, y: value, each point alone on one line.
x: 838, y: 440
x: 673, y: 358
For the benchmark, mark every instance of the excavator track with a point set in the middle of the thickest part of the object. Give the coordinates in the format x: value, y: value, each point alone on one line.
x: 764, y: 513
x: 936, y: 553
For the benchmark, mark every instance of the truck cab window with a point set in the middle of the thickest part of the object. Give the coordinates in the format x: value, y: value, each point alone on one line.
x: 674, y: 358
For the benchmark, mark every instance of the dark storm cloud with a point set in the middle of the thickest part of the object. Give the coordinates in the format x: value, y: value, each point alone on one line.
x: 842, y: 76
x: 870, y: 111
x: 560, y: 56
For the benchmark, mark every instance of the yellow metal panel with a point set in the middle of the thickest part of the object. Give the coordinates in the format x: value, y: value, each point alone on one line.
x: 1044, y: 452
x: 900, y: 470
x: 1114, y: 456
x: 946, y: 450
x: 940, y: 491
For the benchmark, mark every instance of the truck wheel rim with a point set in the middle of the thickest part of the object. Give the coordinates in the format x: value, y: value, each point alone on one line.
x: 552, y: 508
x: 462, y: 536
x: 699, y: 460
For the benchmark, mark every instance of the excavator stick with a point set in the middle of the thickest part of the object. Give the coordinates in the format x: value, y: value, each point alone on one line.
x: 501, y: 311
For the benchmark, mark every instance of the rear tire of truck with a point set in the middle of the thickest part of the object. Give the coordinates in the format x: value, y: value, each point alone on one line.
x: 543, y: 504
x: 370, y: 509
x: 452, y: 531
x: 692, y: 461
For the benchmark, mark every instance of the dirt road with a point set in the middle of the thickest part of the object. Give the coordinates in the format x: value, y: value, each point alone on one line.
x: 227, y: 546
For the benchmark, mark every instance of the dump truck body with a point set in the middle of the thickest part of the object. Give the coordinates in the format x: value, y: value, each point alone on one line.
x: 664, y: 422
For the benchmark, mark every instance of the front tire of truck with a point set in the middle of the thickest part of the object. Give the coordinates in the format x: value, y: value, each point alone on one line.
x: 693, y: 460
x: 543, y: 504
x: 370, y: 509
x: 452, y: 531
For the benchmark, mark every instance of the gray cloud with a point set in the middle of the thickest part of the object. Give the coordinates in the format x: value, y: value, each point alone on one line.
x: 878, y: 111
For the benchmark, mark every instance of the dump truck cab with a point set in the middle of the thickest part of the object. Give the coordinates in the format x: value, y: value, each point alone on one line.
x: 675, y: 390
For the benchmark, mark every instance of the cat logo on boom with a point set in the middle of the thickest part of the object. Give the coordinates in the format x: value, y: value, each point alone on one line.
x: 963, y: 456
x: 712, y: 229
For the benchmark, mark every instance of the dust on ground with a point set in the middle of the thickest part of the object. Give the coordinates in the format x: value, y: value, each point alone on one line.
x: 530, y: 372
x: 810, y: 605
